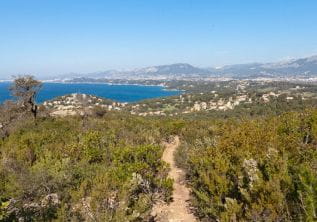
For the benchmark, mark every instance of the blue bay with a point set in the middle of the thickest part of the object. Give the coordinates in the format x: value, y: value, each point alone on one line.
x: 121, y: 93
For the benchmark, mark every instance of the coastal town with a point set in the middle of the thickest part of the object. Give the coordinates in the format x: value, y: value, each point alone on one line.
x: 224, y: 96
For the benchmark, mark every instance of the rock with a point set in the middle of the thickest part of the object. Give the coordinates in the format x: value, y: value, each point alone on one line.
x: 50, y: 200
x: 251, y: 170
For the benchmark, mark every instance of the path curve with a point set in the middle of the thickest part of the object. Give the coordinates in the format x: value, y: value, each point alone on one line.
x: 178, y: 210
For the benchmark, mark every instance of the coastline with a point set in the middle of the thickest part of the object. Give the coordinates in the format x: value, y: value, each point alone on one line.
x: 163, y: 86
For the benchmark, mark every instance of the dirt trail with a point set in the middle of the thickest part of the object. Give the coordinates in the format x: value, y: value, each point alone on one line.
x: 178, y: 210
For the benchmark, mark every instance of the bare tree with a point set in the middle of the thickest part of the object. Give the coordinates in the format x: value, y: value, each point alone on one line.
x: 25, y: 89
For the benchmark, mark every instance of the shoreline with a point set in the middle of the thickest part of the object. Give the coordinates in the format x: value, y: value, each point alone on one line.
x: 116, y: 84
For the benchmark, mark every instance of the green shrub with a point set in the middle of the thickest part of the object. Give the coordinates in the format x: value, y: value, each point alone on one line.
x: 253, y: 170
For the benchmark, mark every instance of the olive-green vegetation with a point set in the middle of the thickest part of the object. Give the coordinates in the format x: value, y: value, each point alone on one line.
x: 263, y: 169
x: 108, y: 169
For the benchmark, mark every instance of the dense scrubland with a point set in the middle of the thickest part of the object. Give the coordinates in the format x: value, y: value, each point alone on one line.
x: 106, y: 166
x: 262, y: 169
x: 105, y: 169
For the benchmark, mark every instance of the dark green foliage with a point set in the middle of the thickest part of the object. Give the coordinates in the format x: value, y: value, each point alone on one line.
x: 25, y: 89
x: 253, y: 170
x: 108, y: 171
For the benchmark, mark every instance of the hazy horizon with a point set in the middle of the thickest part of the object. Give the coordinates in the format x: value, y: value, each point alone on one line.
x: 57, y: 37
x: 55, y: 75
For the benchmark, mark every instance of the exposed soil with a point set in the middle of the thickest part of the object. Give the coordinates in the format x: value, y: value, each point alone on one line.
x: 178, y: 210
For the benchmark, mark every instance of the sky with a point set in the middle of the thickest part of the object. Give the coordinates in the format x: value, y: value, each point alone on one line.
x: 52, y: 37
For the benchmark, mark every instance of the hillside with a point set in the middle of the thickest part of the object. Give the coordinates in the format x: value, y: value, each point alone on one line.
x: 109, y: 168
x: 105, y: 161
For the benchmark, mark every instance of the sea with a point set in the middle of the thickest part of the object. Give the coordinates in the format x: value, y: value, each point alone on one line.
x: 120, y: 93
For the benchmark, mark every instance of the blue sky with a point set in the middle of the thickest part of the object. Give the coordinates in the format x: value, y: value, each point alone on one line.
x: 49, y: 37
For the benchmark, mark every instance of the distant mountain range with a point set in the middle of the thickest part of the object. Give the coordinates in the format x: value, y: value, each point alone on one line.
x: 304, y: 67
x: 178, y: 70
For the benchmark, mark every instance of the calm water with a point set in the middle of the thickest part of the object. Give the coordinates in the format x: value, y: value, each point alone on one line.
x: 121, y: 93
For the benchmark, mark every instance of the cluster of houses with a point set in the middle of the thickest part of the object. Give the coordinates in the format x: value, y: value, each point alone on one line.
x: 220, y: 104
x: 186, y: 103
x: 75, y: 104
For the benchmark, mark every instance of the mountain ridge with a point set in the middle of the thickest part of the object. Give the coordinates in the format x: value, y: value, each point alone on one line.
x: 304, y: 67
